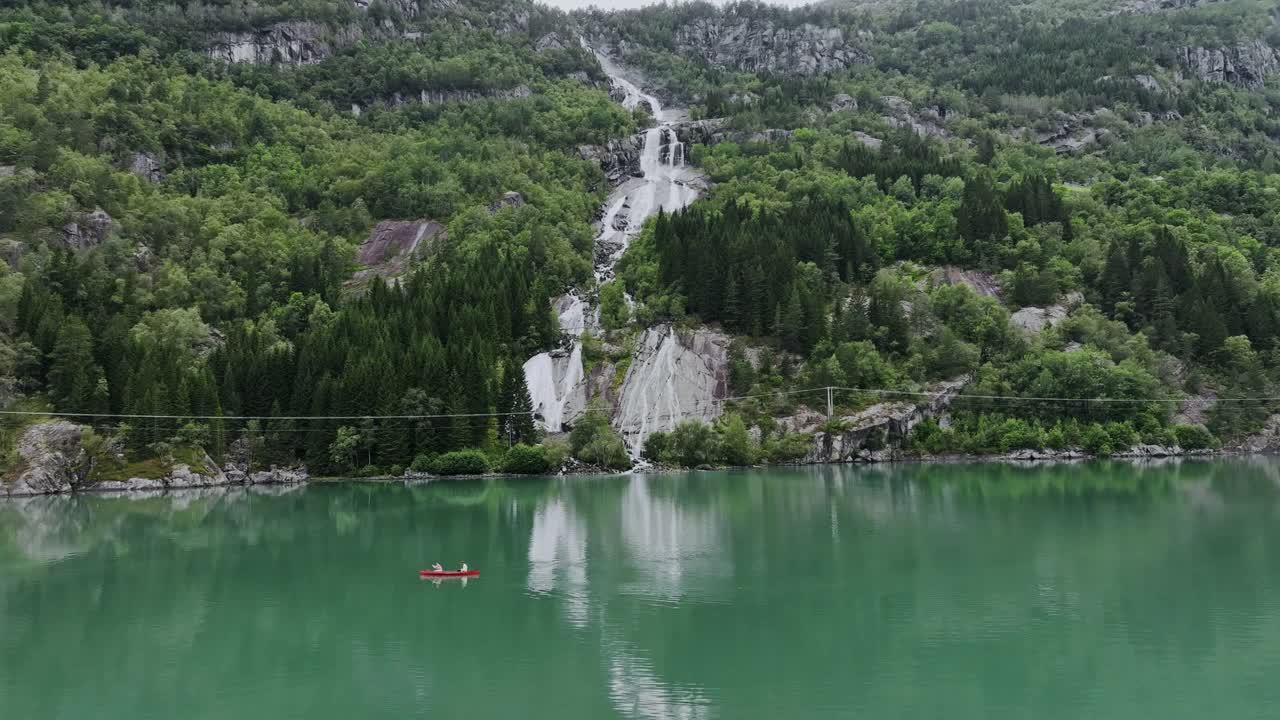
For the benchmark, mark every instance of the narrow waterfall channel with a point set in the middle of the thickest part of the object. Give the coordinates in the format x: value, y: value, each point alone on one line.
x: 557, y: 383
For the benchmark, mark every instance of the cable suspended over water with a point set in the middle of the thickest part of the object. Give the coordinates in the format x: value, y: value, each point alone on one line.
x: 714, y: 402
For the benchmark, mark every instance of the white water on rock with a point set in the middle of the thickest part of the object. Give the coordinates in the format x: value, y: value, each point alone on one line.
x: 557, y: 383
x: 668, y: 183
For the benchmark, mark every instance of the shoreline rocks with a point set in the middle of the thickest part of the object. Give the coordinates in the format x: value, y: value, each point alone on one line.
x: 181, y: 477
x: 62, y: 458
x: 884, y: 425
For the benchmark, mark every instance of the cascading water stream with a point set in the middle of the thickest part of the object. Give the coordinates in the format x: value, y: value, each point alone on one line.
x: 557, y: 383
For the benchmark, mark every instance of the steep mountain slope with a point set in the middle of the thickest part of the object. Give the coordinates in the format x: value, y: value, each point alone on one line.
x: 202, y: 205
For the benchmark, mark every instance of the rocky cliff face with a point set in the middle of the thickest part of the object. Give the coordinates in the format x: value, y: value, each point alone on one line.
x: 888, y: 422
x: 288, y: 43
x: 759, y: 45
x: 926, y: 122
x: 303, y: 42
x: 1147, y: 6
x: 1246, y: 65
x: 1069, y: 133
x: 1035, y: 319
x: 619, y: 159
x: 675, y: 375
x: 54, y: 459
x: 713, y: 131
x: 89, y: 230
x: 442, y: 97
x: 393, y: 246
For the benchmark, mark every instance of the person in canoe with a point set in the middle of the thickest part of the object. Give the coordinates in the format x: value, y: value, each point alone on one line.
x: 464, y: 567
x: 437, y: 567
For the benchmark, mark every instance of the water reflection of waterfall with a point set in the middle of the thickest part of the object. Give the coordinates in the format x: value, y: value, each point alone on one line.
x: 637, y: 692
x: 557, y: 384
x: 558, y: 551
x: 670, y: 547
x: 679, y: 551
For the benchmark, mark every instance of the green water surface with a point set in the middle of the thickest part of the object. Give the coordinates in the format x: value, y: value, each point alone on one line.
x: 1096, y: 591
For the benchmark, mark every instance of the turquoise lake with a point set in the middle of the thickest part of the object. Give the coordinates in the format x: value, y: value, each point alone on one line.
x: 1100, y: 590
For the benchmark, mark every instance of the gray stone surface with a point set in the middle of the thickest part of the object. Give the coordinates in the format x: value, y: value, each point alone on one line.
x: 927, y: 122
x: 760, y: 45
x: 674, y: 375
x: 893, y: 419
x: 52, y: 459
x: 619, y: 159
x: 716, y: 130
x: 393, y: 246
x: 1070, y: 133
x: 1035, y: 319
x: 89, y: 230
x: 843, y: 103
x: 287, y: 43
x: 1246, y: 65
x: 983, y: 283
x: 147, y: 166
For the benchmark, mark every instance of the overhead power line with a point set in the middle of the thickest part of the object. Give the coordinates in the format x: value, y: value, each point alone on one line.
x: 961, y: 396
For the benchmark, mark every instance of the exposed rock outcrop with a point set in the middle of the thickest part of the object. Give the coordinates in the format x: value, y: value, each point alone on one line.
x: 510, y: 199
x: 1266, y: 440
x: 871, y: 142
x: 53, y: 459
x: 393, y: 246
x: 886, y: 425
x: 553, y: 41
x: 1071, y: 133
x: 90, y: 230
x: 674, y: 375
x: 147, y: 166
x: 619, y: 159
x: 1035, y: 319
x: 927, y: 122
x: 443, y: 97
x: 1194, y: 410
x: 716, y: 130
x: 403, y: 8
x: 843, y: 103
x: 297, y: 42
x: 983, y: 283
x: 1246, y: 65
x: 754, y: 44
x: 1148, y: 6
x: 1149, y: 83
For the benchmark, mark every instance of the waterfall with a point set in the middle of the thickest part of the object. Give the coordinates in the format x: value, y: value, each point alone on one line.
x: 557, y: 383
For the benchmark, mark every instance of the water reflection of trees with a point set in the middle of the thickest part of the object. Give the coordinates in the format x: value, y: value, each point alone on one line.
x: 887, y: 572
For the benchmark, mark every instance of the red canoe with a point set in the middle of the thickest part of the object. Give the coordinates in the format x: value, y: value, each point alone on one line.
x: 448, y: 573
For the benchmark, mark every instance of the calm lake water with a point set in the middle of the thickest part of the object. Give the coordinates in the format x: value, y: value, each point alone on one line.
x: 960, y: 591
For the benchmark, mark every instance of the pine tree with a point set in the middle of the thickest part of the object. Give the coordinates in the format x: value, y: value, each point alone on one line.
x: 517, y: 406
x: 791, y: 325
x: 981, y: 215
x: 1115, y: 279
x: 732, y: 313
x: 73, y: 376
x: 986, y: 148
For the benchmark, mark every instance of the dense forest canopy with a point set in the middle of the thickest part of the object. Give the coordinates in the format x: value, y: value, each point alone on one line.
x: 180, y: 226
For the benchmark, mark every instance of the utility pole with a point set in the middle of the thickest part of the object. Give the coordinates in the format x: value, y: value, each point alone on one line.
x: 830, y: 406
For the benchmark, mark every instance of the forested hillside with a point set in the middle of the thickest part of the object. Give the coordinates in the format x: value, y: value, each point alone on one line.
x: 1053, y: 200
x: 179, y: 230
x: 1087, y: 175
